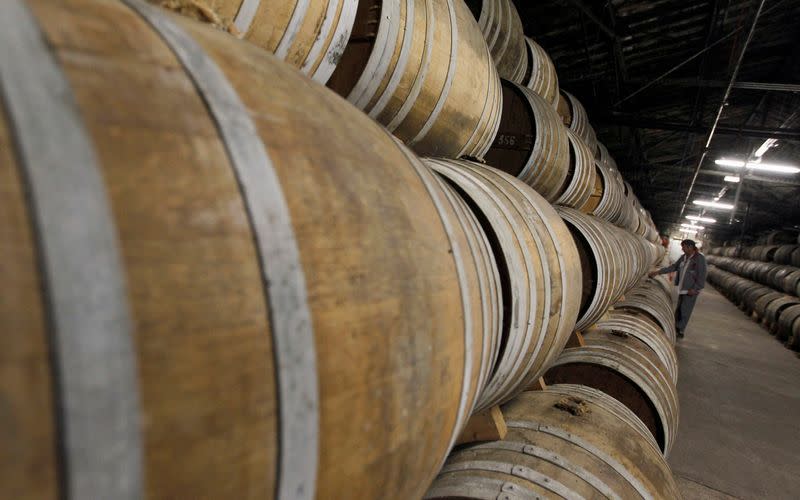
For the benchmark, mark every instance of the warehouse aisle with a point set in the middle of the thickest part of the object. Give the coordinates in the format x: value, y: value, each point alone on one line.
x: 739, y: 393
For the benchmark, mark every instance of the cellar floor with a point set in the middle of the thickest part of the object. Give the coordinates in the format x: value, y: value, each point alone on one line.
x: 739, y: 391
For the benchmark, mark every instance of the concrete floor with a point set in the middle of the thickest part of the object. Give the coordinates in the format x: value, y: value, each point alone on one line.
x: 739, y: 390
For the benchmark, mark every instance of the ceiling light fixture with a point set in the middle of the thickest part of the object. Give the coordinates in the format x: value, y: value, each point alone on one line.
x: 713, y: 204
x: 732, y: 178
x: 692, y: 226
x: 701, y: 219
x: 757, y: 165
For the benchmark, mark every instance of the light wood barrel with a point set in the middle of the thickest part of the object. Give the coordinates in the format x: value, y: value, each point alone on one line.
x: 531, y: 143
x: 245, y: 286
x: 639, y: 325
x: 611, y: 259
x: 422, y: 69
x: 578, y: 120
x: 611, y: 203
x: 568, y: 441
x: 540, y: 278
x: 774, y: 309
x: 785, y: 328
x: 649, y: 298
x: 582, y: 175
x: 308, y: 34
x: 628, y: 370
x: 597, y: 192
x: 760, y: 306
x: 502, y: 28
x: 541, y: 76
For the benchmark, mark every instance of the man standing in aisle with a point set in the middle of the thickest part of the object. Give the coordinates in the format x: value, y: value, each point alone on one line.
x: 690, y: 279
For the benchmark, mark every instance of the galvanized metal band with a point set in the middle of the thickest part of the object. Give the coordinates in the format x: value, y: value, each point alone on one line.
x: 332, y: 13
x: 592, y: 449
x: 338, y: 43
x: 553, y: 458
x: 281, y: 267
x: 419, y: 81
x: 481, y: 488
x: 451, y: 71
x: 380, y: 58
x: 84, y: 281
x: 464, y: 410
x: 244, y: 16
x: 293, y: 28
x: 520, y: 471
x: 398, y: 71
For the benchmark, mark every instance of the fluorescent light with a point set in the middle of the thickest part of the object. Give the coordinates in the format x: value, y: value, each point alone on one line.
x: 772, y: 167
x: 713, y: 204
x: 732, y: 178
x: 730, y: 163
x: 764, y: 147
x: 701, y: 219
x: 692, y: 226
x: 757, y: 165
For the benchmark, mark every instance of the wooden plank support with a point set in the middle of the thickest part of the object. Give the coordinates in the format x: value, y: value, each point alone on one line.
x: 576, y: 340
x: 538, y: 385
x: 486, y: 425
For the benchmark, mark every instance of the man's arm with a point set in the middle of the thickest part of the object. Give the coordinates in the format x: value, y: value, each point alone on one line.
x: 670, y: 268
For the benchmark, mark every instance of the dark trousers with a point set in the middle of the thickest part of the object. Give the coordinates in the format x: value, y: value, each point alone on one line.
x: 684, y: 311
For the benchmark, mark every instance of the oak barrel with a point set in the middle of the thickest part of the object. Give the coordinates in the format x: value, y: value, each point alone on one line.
x: 537, y: 261
x: 567, y: 441
x: 502, y: 28
x: 541, y: 76
x: 581, y: 176
x: 531, y: 143
x: 628, y: 370
x: 308, y: 34
x: 245, y: 287
x: 422, y: 69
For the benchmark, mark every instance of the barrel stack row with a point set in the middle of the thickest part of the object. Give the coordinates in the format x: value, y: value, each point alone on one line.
x: 602, y: 425
x: 778, y: 276
x: 775, y: 309
x: 210, y: 256
x: 778, y: 254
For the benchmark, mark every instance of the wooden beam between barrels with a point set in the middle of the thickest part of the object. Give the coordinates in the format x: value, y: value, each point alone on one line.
x: 538, y: 385
x: 576, y: 340
x: 486, y: 425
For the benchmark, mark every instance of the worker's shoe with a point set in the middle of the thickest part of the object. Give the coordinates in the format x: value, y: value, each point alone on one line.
x: 680, y: 334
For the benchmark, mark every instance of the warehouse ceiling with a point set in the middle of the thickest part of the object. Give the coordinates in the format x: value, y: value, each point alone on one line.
x: 652, y: 75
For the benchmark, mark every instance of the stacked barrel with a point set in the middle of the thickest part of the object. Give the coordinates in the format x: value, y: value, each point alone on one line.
x: 225, y: 280
x: 764, y: 281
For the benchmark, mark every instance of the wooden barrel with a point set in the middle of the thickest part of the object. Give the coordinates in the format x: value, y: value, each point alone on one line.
x: 782, y: 236
x: 310, y: 35
x: 579, y: 121
x: 794, y: 339
x: 752, y: 294
x: 783, y: 255
x: 422, y: 69
x: 502, y: 28
x: 581, y: 176
x: 568, y: 441
x: 761, y: 303
x: 531, y: 143
x: 649, y: 299
x: 638, y: 325
x: 774, y: 309
x: 541, y: 76
x: 785, y: 328
x: 537, y: 262
x: 232, y: 308
x: 791, y: 282
x: 628, y: 370
x: 611, y: 260
x: 795, y: 258
x: 611, y: 203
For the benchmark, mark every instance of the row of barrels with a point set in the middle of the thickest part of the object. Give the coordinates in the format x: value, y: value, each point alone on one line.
x: 775, y: 310
x: 601, y: 427
x: 779, y: 254
x: 430, y: 73
x: 209, y: 256
x: 778, y: 276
